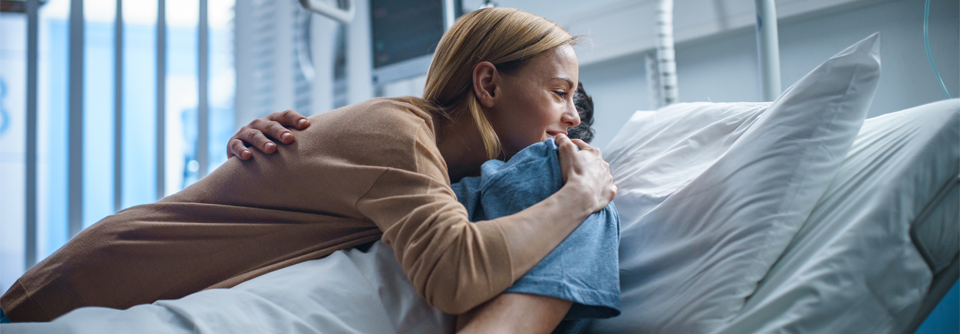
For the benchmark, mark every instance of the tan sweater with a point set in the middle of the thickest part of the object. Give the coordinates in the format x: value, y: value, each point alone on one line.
x: 360, y: 173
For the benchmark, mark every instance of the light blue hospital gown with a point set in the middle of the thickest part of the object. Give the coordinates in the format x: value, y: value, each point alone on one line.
x: 584, y: 267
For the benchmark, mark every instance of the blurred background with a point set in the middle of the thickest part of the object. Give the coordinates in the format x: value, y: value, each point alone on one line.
x: 135, y: 100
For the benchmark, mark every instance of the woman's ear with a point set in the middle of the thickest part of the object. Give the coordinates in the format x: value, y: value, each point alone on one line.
x: 485, y: 81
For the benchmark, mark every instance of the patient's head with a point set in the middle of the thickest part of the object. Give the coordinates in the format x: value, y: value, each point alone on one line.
x: 584, y: 104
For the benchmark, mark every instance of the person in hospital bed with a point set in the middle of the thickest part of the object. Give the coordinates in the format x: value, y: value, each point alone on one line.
x: 507, y: 188
x: 500, y: 81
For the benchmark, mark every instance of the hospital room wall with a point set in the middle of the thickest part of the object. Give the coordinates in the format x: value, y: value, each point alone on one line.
x: 724, y: 68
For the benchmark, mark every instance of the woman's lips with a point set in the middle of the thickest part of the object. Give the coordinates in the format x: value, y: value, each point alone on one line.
x: 553, y: 134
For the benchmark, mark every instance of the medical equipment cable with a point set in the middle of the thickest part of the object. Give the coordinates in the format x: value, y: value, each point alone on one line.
x: 926, y: 43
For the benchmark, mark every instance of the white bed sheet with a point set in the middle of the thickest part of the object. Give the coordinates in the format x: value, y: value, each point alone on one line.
x: 347, y: 292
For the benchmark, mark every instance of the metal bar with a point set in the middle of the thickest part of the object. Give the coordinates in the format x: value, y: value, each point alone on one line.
x: 161, y: 97
x: 244, y: 28
x: 768, y: 48
x: 359, y: 55
x: 75, y: 137
x: 118, y: 108
x: 30, y: 235
x: 448, y: 14
x: 202, y: 108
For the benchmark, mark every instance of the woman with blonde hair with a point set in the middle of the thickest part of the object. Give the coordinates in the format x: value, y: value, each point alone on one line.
x: 501, y: 80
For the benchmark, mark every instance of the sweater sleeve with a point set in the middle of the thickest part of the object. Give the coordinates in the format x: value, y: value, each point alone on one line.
x: 454, y: 264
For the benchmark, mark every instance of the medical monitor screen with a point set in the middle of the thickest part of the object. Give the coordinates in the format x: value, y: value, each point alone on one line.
x: 404, y: 30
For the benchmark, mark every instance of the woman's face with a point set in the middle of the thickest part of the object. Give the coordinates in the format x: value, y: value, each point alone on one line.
x: 536, y: 101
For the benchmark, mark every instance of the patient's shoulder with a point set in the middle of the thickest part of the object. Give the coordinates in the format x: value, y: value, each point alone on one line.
x: 534, y: 169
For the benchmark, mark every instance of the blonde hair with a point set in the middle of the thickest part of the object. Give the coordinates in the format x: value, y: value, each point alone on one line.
x: 501, y: 36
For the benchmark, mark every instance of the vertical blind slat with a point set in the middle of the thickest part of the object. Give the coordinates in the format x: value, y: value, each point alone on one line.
x: 203, y: 112
x: 30, y: 235
x: 161, y: 97
x: 118, y: 108
x: 75, y: 138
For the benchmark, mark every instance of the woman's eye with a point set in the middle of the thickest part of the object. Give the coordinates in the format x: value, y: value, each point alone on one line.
x: 561, y: 93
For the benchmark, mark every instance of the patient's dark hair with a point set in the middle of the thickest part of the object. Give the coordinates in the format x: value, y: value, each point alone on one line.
x: 584, y: 104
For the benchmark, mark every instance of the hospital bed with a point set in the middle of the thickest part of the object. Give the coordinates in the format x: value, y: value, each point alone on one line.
x: 873, y: 249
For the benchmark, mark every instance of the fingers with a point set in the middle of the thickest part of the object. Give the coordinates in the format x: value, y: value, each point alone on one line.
x: 275, y: 125
x: 565, y: 144
x: 583, y: 165
x: 290, y: 118
x: 236, y: 148
x: 275, y: 130
x: 303, y: 123
x: 581, y: 144
x: 259, y: 132
x: 257, y: 138
x: 567, y: 151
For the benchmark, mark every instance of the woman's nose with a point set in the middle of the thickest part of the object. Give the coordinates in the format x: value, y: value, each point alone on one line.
x: 570, y: 117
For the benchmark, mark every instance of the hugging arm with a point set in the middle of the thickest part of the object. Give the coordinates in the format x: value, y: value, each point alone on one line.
x: 439, y: 270
x: 457, y: 265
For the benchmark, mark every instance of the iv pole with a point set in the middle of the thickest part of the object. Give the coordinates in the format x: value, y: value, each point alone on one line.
x: 768, y: 49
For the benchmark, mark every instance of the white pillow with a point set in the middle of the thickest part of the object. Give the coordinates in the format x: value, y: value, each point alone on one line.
x: 657, y: 153
x: 688, y: 265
